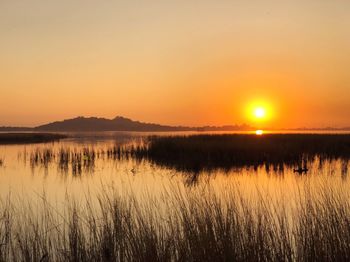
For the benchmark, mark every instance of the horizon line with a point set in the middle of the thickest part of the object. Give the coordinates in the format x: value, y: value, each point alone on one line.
x: 326, y: 127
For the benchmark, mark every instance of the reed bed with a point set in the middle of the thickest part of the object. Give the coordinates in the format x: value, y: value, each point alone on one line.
x: 206, y: 152
x: 78, y: 160
x: 42, y: 157
x: 186, y: 223
x: 196, y: 153
x: 66, y: 158
x: 181, y: 226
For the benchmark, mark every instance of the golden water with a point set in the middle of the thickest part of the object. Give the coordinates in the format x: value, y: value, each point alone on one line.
x: 24, y: 180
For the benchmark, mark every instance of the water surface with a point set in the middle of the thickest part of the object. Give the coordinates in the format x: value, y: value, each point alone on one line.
x: 21, y: 175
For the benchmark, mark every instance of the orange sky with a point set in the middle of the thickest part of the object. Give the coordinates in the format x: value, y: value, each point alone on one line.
x: 175, y: 62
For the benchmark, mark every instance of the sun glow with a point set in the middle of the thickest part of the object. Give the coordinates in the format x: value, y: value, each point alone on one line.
x: 259, y: 132
x: 260, y: 112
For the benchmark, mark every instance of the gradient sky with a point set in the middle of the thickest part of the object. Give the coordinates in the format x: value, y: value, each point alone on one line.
x: 175, y: 62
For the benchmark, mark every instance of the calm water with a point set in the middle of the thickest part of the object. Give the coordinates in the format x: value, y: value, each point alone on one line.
x: 21, y: 176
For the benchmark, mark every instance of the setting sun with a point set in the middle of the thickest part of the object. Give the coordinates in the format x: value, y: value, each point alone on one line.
x: 260, y: 112
x: 259, y: 132
x: 207, y: 130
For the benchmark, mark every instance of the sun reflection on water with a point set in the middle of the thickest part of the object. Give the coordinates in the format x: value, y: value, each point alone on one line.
x: 259, y: 132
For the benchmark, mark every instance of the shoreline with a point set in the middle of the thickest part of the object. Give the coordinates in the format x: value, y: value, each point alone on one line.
x: 28, y: 138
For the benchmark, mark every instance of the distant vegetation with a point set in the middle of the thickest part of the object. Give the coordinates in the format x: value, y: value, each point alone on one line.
x: 25, y: 138
x: 199, y: 152
x: 119, y: 123
x: 196, y: 153
x: 188, y: 227
x: 15, y: 129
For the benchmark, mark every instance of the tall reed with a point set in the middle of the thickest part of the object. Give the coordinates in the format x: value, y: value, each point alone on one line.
x: 180, y: 226
x: 199, y: 152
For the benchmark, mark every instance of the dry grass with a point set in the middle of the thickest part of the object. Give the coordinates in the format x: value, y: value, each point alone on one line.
x: 185, y: 226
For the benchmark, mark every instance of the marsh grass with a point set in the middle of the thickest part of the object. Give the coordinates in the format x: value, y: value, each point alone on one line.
x: 274, y: 151
x: 181, y: 226
x: 76, y: 160
x: 42, y: 157
x: 186, y: 224
x: 196, y: 153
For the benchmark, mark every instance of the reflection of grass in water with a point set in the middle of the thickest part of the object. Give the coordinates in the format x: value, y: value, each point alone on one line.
x: 42, y: 157
x: 190, y: 227
x: 198, y: 152
x: 77, y: 160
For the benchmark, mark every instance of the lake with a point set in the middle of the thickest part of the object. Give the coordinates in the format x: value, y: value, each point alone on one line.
x: 19, y: 175
x: 80, y: 171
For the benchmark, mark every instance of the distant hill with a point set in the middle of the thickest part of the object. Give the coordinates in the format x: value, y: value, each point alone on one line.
x: 93, y: 124
x: 102, y: 124
x: 118, y: 124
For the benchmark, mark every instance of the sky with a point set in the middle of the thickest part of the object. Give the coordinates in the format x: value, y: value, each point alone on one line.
x: 176, y: 62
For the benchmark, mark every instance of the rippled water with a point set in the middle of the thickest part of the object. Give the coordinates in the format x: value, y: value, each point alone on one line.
x: 79, y: 194
x: 22, y: 174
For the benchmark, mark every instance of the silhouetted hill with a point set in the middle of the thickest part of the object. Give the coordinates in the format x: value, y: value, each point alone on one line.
x: 103, y: 124
x: 122, y: 124
x: 119, y: 123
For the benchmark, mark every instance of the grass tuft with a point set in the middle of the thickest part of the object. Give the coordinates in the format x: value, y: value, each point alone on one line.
x: 187, y: 226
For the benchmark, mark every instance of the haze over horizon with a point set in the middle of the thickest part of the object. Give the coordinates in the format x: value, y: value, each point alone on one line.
x: 176, y: 63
